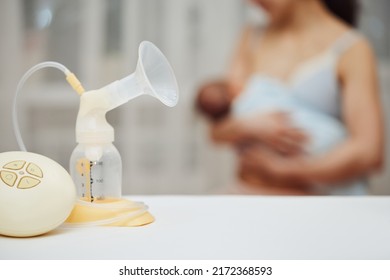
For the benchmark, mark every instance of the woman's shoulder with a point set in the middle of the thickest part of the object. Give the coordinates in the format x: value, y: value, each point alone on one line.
x: 251, y: 31
x: 349, y: 38
x: 357, y: 56
x: 354, y: 44
x: 250, y: 36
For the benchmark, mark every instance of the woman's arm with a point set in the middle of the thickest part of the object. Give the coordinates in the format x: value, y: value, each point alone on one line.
x: 241, y: 65
x: 231, y: 130
x: 363, y: 151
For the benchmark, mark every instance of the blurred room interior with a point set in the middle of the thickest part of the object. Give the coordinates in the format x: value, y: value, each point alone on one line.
x: 164, y: 151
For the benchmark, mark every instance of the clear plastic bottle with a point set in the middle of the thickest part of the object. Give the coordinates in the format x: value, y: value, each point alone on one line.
x: 96, y: 170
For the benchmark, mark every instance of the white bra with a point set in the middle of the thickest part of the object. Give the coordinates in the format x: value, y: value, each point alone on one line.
x: 315, y: 81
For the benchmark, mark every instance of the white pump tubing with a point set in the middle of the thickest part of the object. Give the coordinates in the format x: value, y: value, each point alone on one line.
x: 20, y: 85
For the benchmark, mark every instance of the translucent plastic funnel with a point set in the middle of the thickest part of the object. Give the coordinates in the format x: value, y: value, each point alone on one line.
x: 156, y: 75
x: 153, y: 76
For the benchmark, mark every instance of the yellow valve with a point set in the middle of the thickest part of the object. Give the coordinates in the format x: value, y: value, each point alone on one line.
x: 75, y: 83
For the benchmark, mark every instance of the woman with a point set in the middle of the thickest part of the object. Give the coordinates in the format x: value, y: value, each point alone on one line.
x: 310, y: 50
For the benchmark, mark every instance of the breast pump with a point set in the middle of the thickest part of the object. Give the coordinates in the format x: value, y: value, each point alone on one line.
x: 95, y: 164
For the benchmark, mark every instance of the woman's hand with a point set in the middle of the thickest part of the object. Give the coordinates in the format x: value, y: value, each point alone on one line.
x: 275, y: 130
x: 257, y: 161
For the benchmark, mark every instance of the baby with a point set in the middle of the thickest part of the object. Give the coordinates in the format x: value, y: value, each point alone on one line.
x: 324, y: 131
x: 214, y: 100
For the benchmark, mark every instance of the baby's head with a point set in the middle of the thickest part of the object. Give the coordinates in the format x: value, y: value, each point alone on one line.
x: 214, y: 100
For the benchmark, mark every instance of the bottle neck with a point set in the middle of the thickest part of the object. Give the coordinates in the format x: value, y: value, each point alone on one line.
x: 94, y: 151
x: 100, y: 137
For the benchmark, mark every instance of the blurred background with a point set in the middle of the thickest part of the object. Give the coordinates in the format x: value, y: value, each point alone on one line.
x: 164, y: 150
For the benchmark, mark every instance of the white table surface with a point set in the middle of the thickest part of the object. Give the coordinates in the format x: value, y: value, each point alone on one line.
x: 228, y: 227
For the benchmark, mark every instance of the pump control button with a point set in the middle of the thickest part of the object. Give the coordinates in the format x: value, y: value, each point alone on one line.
x: 28, y: 182
x: 33, y: 169
x: 15, y: 165
x: 9, y: 178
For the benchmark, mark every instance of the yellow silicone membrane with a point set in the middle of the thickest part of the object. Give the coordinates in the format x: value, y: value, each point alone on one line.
x: 109, y: 212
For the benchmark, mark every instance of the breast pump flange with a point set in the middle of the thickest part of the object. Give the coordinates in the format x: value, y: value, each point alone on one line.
x: 95, y: 164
